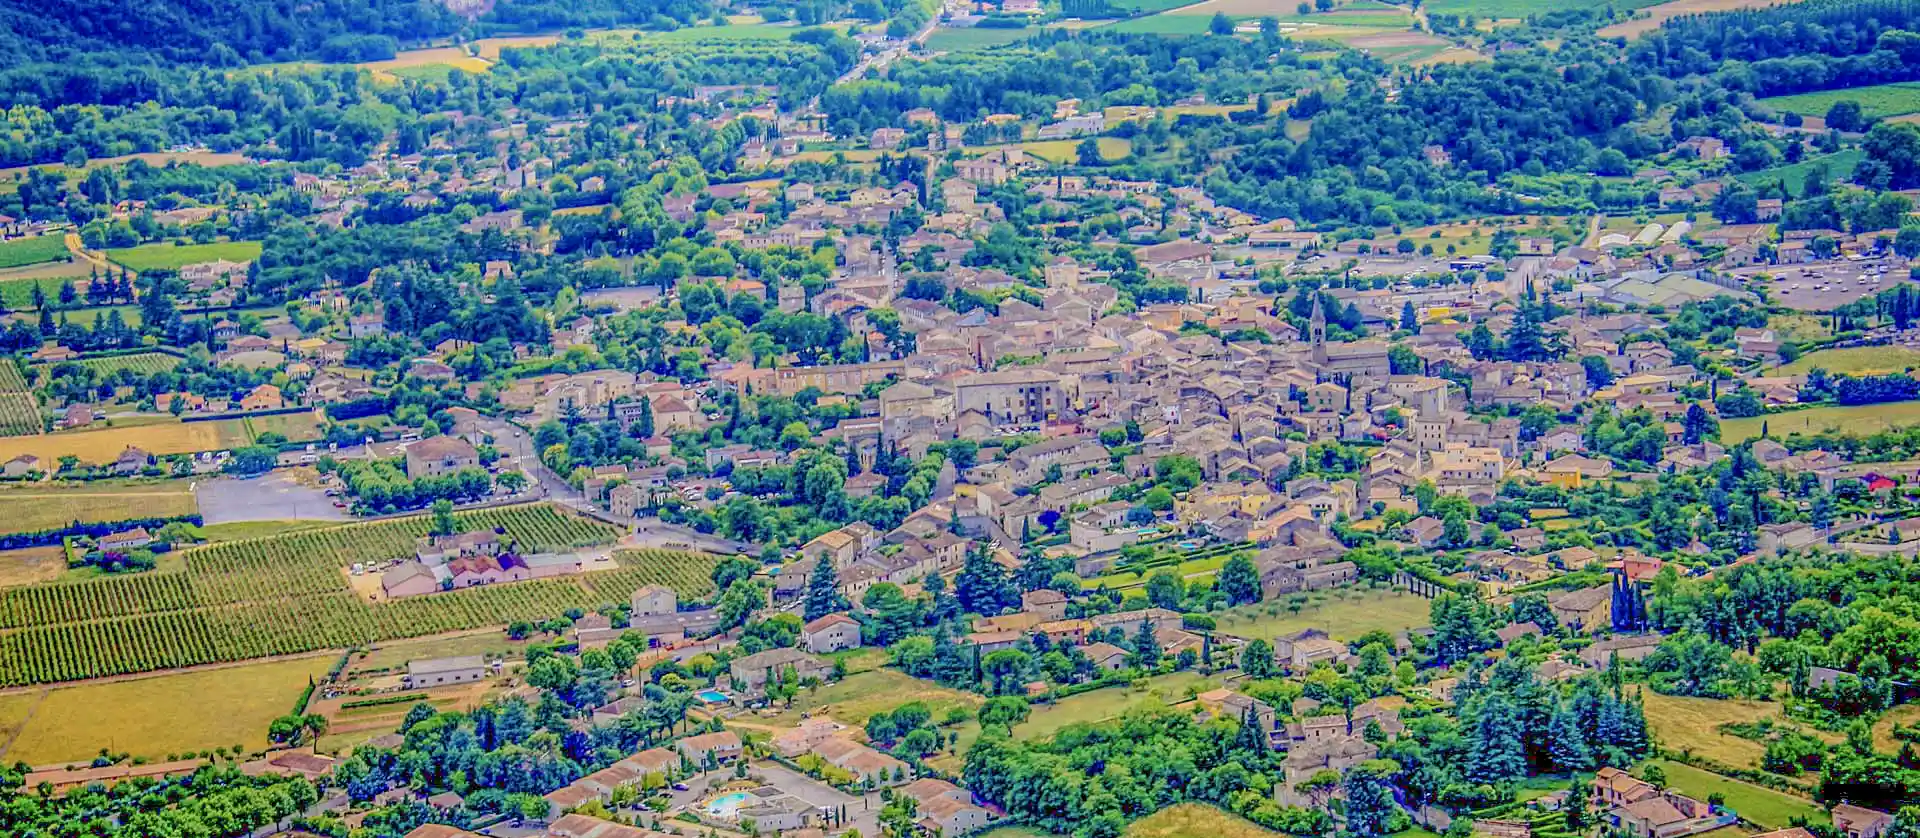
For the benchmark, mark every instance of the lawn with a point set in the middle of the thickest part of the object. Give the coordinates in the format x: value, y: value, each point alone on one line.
x: 170, y: 256
x: 104, y: 444
x: 1343, y: 618
x: 1855, y: 360
x: 1691, y: 724
x: 1876, y: 101
x: 976, y: 37
x: 37, y: 508
x: 33, y: 250
x: 1864, y: 420
x: 154, y: 717
x: 1048, y: 719
x: 1765, y: 807
x: 1839, y: 166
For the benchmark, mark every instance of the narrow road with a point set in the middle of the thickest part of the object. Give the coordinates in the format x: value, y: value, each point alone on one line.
x: 79, y: 250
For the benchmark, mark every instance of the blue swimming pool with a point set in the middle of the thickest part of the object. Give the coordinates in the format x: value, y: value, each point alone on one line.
x: 713, y: 697
x: 726, y: 805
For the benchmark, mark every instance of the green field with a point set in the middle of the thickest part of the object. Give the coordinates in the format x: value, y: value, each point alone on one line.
x: 168, y: 256
x: 1763, y: 806
x: 1855, y: 360
x: 56, y: 505
x: 1182, y: 820
x: 1877, y: 101
x: 976, y: 38
x: 18, y: 293
x: 1163, y: 24
x: 1511, y: 9
x: 155, y: 717
x: 1839, y: 165
x: 1342, y: 618
x: 1864, y: 420
x: 32, y: 251
x: 733, y: 32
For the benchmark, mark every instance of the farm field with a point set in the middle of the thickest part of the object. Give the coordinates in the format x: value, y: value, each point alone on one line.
x: 285, y: 594
x: 294, y: 426
x: 1658, y: 14
x: 18, y: 253
x: 976, y: 38
x: 1876, y: 101
x: 19, y: 408
x: 165, y: 714
x: 1111, y: 149
x: 1048, y: 719
x: 101, y: 445
x: 690, y: 575
x: 1763, y: 806
x: 169, y: 256
x: 1866, y: 419
x: 1516, y: 9
x: 1343, y: 619
x: 1856, y: 360
x: 144, y: 363
x: 36, y: 508
x: 1839, y: 165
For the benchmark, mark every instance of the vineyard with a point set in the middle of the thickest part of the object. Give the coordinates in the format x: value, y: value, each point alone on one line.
x: 285, y: 594
x: 143, y: 363
x: 19, y: 410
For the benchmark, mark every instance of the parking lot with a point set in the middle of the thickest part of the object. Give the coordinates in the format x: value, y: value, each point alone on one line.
x: 274, y: 496
x: 1824, y: 286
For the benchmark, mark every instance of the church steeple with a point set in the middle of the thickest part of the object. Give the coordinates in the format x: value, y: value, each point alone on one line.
x: 1317, y: 330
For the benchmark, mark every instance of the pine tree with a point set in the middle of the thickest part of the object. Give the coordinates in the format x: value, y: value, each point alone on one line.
x: 1146, y: 648
x: 823, y: 590
x: 1498, y: 752
x: 1579, y: 817
x: 643, y: 424
x: 982, y: 585
x: 1566, y: 746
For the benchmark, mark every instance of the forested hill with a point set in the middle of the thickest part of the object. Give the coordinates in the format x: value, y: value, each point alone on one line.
x: 225, y: 33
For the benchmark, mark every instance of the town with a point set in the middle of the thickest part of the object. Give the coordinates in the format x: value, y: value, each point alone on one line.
x: 1014, y: 418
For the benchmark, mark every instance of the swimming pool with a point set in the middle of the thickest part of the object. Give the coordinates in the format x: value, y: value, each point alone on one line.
x: 713, y: 697
x: 726, y: 805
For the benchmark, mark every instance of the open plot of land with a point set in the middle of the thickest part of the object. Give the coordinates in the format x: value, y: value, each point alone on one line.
x: 104, y: 444
x: 169, y: 256
x: 1876, y: 101
x: 1656, y: 15
x: 33, y: 250
x: 153, y: 717
x: 1691, y: 724
x: 32, y: 565
x: 1048, y: 719
x: 1195, y: 820
x: 1856, y: 360
x: 396, y: 654
x: 1343, y: 618
x: 1866, y: 419
x: 1763, y: 806
x: 854, y: 698
x: 35, y: 508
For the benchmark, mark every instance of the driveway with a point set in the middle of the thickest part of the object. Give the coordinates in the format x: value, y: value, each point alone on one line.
x: 273, y: 496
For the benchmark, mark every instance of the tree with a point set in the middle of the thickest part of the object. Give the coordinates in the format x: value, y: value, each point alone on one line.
x: 1006, y: 710
x: 982, y: 586
x: 823, y: 590
x: 1256, y: 660
x: 1088, y: 153
x: 1239, y: 580
x: 1846, y: 115
x: 643, y: 423
x: 1577, y: 808
x: 443, y: 522
x: 1371, y: 809
x: 1221, y: 24
x: 1166, y: 590
x: 1409, y: 321
x: 1566, y: 745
